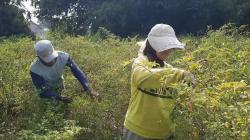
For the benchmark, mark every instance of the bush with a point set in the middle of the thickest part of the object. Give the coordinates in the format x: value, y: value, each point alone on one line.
x: 217, y: 108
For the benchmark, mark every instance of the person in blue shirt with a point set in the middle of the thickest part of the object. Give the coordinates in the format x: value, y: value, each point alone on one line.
x: 47, y: 72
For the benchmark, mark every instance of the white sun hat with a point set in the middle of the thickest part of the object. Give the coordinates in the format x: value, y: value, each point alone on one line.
x: 142, y: 45
x: 45, y: 50
x: 162, y: 37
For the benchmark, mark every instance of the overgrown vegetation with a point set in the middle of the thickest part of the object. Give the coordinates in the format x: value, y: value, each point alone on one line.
x: 217, y: 108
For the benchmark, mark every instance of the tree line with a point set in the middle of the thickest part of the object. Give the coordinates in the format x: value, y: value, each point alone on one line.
x: 12, y: 21
x: 132, y: 17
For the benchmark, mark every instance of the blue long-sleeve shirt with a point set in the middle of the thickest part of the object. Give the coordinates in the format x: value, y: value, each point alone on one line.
x: 48, y: 91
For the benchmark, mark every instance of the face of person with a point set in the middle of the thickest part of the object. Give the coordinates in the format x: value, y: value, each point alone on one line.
x: 51, y: 63
x: 164, y: 54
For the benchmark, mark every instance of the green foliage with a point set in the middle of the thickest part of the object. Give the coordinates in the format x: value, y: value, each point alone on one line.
x: 25, y: 116
x: 217, y: 108
x: 132, y: 17
x: 103, y: 33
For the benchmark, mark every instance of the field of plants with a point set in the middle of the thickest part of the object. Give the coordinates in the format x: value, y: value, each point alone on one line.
x: 217, y: 108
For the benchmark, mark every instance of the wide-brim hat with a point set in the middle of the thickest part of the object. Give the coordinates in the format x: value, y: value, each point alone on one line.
x: 162, y: 37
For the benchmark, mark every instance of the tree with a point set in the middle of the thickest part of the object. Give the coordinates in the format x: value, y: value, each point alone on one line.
x: 131, y: 17
x: 72, y: 16
x: 12, y: 21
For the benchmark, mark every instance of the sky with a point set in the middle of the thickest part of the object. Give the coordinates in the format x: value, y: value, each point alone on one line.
x: 27, y: 5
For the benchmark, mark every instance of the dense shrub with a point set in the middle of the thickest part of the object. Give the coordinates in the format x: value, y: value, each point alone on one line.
x: 217, y: 108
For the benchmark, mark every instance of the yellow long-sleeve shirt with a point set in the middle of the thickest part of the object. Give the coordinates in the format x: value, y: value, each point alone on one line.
x: 151, y: 104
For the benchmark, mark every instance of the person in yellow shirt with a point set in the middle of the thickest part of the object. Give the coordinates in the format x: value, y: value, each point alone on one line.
x: 151, y: 103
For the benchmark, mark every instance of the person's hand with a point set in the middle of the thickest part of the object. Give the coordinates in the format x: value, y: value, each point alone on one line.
x: 94, y: 95
x: 189, y: 79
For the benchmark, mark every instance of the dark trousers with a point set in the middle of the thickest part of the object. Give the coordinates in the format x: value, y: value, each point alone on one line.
x: 128, y: 135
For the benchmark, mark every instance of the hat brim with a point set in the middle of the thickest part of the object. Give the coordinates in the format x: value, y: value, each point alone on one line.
x: 50, y: 57
x: 142, y: 45
x: 165, y: 43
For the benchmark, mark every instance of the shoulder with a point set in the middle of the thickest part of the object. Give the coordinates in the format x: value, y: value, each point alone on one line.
x: 141, y: 64
x: 34, y: 65
x: 63, y: 56
x: 141, y: 60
